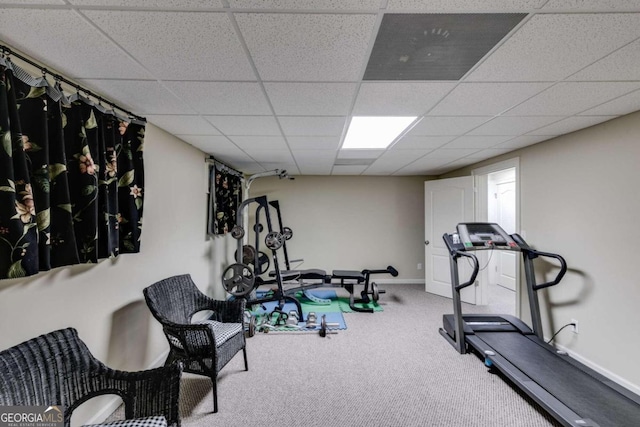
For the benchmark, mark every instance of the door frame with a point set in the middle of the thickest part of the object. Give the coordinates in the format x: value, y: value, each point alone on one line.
x: 481, y: 178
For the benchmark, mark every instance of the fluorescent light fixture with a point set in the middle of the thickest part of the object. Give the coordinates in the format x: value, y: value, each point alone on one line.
x: 374, y: 132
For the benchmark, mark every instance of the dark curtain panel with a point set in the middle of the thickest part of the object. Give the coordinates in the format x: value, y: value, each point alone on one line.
x: 226, y: 195
x: 71, y: 180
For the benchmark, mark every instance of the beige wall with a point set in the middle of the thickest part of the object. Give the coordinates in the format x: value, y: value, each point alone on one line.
x: 104, y: 301
x: 580, y: 198
x: 352, y: 222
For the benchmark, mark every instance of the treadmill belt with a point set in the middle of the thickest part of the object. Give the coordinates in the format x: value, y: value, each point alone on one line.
x: 579, y: 391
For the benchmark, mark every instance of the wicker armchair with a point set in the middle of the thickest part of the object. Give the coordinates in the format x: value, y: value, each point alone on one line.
x: 58, y: 369
x: 204, y: 347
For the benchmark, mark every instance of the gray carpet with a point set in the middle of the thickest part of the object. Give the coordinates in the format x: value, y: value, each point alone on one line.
x: 390, y: 368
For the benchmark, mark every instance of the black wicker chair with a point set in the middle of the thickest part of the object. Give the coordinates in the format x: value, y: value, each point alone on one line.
x: 58, y: 369
x: 204, y: 347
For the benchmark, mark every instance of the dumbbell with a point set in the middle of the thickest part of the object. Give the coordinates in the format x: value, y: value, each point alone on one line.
x: 324, y: 325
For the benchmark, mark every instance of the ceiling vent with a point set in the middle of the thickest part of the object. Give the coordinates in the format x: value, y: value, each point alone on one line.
x: 435, y: 46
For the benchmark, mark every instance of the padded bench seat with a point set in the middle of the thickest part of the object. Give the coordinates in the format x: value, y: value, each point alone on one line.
x: 311, y: 274
x: 348, y: 275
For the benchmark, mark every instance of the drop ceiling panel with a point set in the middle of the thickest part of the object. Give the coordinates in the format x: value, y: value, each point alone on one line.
x: 463, y: 5
x: 315, y: 168
x: 400, y: 98
x: 359, y: 154
x: 572, y: 97
x: 488, y: 98
x: 233, y: 98
x: 417, y: 142
x: 552, y: 47
x: 620, y: 106
x: 371, y: 5
x: 307, y: 99
x: 476, y: 142
x: 216, y: 146
x: 513, y: 125
x: 49, y: 35
x: 309, y: 156
x: 438, y: 46
x: 312, y: 126
x: 246, y: 125
x: 249, y: 143
x: 623, y: 64
x: 592, y: 5
x: 449, y: 125
x: 141, y: 97
x: 485, y: 154
x: 314, y: 142
x: 178, y: 45
x: 523, y: 141
x: 319, y: 47
x: 273, y: 156
x: 183, y: 125
x: 56, y: 2
x: 571, y: 124
x: 169, y: 4
x: 450, y: 154
x: 348, y: 170
x: 400, y: 157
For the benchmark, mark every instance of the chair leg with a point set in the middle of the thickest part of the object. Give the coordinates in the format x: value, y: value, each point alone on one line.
x: 214, y: 381
x: 244, y: 353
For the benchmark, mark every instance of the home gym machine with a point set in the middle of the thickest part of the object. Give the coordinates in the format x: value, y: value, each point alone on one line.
x: 571, y: 392
x: 308, y: 279
x: 240, y: 279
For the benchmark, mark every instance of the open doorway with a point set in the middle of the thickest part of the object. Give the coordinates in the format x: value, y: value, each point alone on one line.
x: 497, y: 201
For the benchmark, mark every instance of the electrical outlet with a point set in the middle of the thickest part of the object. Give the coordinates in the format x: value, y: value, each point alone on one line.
x: 419, y: 266
x: 574, y: 327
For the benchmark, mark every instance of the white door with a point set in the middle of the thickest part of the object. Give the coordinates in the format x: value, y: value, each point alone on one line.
x: 506, y: 267
x: 447, y: 203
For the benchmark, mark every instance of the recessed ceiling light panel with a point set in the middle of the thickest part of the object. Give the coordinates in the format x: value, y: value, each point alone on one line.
x: 372, y: 132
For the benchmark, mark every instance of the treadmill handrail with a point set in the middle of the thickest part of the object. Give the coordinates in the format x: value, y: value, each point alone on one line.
x: 474, y: 274
x: 559, y: 276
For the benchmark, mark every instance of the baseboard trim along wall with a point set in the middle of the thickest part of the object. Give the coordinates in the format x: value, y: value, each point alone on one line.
x: 599, y: 369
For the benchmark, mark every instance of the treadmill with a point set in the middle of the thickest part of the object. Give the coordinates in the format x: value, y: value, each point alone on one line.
x: 572, y: 393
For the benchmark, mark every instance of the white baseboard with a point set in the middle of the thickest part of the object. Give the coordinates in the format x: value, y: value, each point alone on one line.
x: 599, y: 369
x: 398, y: 281
x: 115, y: 401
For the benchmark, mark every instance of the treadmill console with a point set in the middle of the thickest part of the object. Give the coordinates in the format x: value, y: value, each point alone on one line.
x: 484, y: 235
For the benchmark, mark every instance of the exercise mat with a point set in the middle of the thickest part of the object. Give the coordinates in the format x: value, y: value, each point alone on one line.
x: 331, y: 317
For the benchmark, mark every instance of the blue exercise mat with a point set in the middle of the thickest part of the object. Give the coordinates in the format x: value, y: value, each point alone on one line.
x: 331, y: 317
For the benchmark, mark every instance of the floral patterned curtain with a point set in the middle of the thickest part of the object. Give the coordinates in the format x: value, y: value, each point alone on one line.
x: 71, y: 179
x: 225, y: 189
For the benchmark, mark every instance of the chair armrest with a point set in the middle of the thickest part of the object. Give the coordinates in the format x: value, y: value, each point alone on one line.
x: 230, y: 311
x: 146, y: 393
x: 194, y: 340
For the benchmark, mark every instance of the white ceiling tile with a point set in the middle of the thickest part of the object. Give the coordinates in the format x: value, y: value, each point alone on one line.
x: 551, y: 47
x: 504, y: 125
x: 249, y: 143
x: 314, y: 142
x: 592, y: 4
x: 312, y: 126
x: 450, y: 154
x: 170, y: 4
x: 488, y: 98
x: 399, y: 158
x: 359, y: 154
x: 178, y: 45
x: 248, y: 167
x: 315, y: 168
x: 348, y: 170
x: 265, y: 155
x: 309, y: 156
x: 569, y: 98
x: 488, y: 153
x: 288, y: 167
x: 623, y: 64
x: 620, y: 106
x: 21, y: 2
x: 306, y: 4
x: 184, y: 125
x: 216, y: 145
x: 78, y: 50
x: 307, y: 47
x: 449, y: 125
x: 463, y: 5
x: 398, y: 98
x: 141, y: 97
x: 232, y: 98
x: 245, y: 125
x: 523, y: 141
x: 475, y: 142
x: 421, y: 142
x: 571, y: 124
x: 307, y: 99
